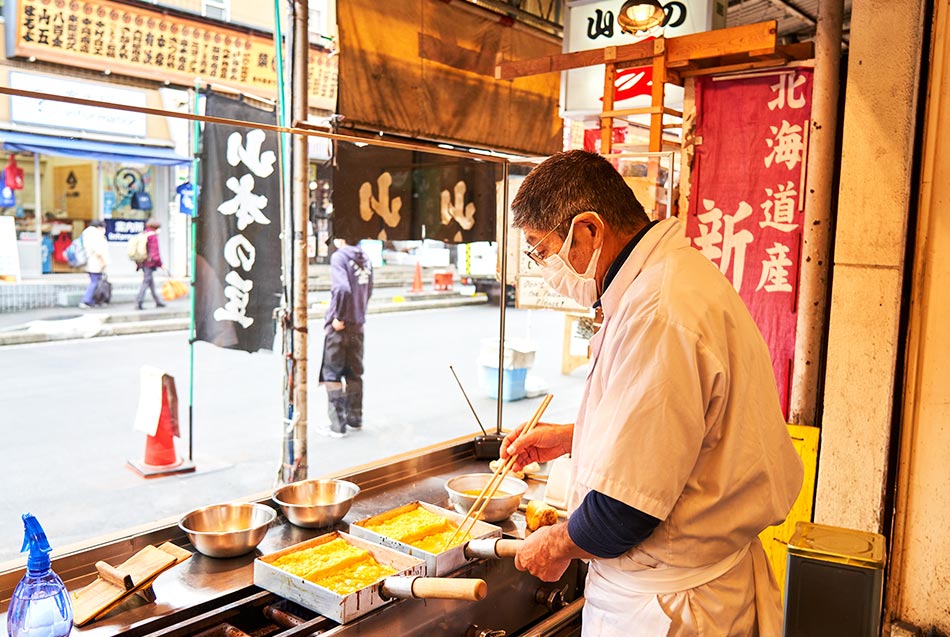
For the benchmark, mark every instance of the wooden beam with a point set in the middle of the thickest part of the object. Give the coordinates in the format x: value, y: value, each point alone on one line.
x: 578, y: 59
x: 758, y: 37
x: 680, y: 51
x: 734, y: 68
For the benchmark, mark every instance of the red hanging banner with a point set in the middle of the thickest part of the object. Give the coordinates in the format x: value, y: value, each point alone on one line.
x: 747, y: 205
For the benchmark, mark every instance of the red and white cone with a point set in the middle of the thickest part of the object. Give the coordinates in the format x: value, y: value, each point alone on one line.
x: 160, y: 455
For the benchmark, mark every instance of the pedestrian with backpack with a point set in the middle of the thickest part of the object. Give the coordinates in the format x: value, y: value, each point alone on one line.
x: 143, y: 249
x: 96, y: 249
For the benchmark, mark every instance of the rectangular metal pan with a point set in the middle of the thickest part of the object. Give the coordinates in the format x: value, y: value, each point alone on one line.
x: 339, y: 608
x: 437, y: 564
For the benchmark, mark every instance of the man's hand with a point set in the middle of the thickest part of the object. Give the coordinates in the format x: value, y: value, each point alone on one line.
x: 545, y: 442
x: 548, y: 552
x: 338, y: 325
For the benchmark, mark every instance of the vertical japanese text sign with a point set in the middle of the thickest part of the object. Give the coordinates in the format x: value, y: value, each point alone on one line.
x: 747, y: 207
x: 238, y: 271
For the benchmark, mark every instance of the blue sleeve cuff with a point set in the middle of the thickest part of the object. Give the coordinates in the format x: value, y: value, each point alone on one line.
x: 606, y: 527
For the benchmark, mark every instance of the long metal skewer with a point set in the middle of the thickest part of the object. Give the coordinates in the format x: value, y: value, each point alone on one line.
x: 470, y: 405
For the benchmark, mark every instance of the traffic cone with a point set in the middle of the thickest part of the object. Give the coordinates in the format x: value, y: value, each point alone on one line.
x: 417, y: 279
x: 160, y: 448
x: 160, y: 456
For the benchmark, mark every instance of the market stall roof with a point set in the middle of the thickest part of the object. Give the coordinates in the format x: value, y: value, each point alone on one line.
x: 90, y: 149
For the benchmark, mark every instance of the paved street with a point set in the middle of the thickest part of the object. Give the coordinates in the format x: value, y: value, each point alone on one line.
x: 66, y: 412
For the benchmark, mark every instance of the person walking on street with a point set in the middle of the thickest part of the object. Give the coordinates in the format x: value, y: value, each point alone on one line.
x: 351, y: 284
x: 680, y: 455
x: 97, y: 259
x: 152, y: 262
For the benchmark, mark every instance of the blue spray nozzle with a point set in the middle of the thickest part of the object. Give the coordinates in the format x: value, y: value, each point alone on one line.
x: 34, y: 540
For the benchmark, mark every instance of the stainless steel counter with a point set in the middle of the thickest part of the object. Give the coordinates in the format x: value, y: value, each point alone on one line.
x: 202, y: 580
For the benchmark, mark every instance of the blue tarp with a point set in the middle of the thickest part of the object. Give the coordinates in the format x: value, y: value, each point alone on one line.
x: 89, y: 149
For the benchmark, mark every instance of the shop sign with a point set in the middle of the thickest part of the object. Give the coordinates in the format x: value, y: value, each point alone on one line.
x: 238, y: 235
x: 25, y: 110
x: 592, y: 24
x: 403, y: 195
x: 103, y: 35
x: 73, y: 190
x: 123, y: 229
x: 751, y: 228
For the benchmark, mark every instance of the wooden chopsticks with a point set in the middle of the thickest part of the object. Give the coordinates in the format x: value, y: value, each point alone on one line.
x: 488, y: 492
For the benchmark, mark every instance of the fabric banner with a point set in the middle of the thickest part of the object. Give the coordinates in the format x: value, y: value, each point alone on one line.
x: 238, y: 271
x: 747, y: 206
x: 427, y: 70
x: 393, y: 194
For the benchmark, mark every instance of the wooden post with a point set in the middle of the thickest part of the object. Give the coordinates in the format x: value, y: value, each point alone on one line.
x: 607, y: 122
x: 657, y: 93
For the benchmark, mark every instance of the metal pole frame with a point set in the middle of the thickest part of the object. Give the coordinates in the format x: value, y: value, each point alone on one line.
x: 503, y: 301
x: 193, y: 267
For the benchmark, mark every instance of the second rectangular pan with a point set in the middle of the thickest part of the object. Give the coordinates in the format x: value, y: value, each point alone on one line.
x: 437, y: 564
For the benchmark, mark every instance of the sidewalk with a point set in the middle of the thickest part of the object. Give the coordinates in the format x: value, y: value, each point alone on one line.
x: 121, y: 317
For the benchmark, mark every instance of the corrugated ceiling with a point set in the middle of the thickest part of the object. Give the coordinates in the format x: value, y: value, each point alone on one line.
x: 796, y: 18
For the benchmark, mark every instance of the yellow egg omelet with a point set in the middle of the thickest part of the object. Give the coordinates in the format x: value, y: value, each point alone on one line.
x: 420, y: 528
x: 335, y: 565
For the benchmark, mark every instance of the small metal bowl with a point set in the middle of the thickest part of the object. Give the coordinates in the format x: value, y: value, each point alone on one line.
x: 500, y: 506
x: 227, y: 530
x: 316, y: 503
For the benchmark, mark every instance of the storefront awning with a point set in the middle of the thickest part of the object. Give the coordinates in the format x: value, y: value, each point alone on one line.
x: 90, y: 149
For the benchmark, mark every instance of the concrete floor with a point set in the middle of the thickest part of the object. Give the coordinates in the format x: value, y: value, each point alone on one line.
x: 66, y: 412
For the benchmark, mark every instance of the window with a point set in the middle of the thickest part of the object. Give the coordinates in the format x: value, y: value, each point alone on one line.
x: 321, y: 23
x: 216, y: 9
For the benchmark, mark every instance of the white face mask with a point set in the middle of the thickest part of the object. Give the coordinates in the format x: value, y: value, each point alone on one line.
x: 563, y: 279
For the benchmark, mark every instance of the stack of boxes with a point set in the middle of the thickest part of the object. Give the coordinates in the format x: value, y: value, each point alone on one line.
x: 519, y: 357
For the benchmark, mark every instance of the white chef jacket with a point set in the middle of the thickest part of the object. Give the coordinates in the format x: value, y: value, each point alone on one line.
x: 681, y: 420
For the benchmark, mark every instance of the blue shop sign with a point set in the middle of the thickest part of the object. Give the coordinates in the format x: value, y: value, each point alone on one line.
x: 123, y: 229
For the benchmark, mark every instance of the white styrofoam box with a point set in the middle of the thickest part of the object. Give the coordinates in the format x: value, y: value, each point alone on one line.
x: 519, y: 353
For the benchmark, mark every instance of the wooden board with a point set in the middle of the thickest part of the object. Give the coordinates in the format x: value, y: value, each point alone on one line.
x: 100, y: 597
x: 775, y: 538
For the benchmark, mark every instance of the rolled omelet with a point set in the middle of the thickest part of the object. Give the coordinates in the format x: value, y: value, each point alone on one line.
x: 539, y: 514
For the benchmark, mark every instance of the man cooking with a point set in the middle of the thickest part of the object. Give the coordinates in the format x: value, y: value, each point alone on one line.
x: 680, y: 454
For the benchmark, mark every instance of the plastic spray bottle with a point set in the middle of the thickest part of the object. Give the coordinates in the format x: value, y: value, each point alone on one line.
x: 40, y: 606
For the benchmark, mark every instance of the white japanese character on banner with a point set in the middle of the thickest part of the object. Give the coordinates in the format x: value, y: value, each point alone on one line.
x: 463, y: 213
x: 775, y: 270
x: 787, y: 145
x: 785, y: 89
x: 247, y: 206
x: 718, y: 239
x: 387, y: 209
x: 238, y: 293
x: 261, y: 164
x: 780, y: 209
x: 239, y: 252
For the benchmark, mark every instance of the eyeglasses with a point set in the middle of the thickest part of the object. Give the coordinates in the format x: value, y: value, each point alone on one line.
x: 532, y: 252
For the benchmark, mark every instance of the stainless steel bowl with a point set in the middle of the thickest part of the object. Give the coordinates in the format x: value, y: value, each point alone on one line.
x: 316, y: 503
x: 227, y: 530
x: 498, y: 508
